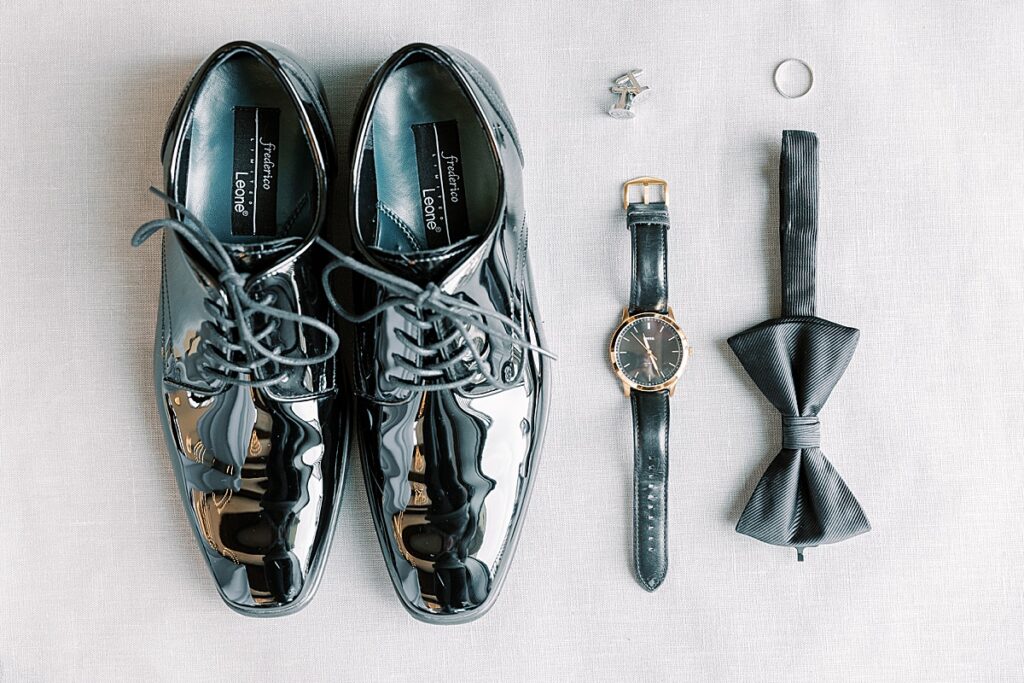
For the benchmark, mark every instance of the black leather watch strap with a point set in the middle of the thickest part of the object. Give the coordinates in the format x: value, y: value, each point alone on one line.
x: 648, y: 225
x: 650, y: 486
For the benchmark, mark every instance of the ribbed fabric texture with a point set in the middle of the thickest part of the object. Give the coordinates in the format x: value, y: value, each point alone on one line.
x: 796, y: 361
x: 800, y: 432
x: 798, y: 220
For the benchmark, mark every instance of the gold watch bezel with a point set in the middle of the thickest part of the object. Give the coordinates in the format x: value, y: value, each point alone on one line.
x: 627, y: 384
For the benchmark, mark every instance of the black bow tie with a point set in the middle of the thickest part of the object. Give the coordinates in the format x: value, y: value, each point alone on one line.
x: 796, y: 361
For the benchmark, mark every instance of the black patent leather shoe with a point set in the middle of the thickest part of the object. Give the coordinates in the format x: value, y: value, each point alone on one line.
x: 450, y: 372
x: 244, y: 358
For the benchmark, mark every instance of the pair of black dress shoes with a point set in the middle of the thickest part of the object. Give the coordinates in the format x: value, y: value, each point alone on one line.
x: 447, y: 390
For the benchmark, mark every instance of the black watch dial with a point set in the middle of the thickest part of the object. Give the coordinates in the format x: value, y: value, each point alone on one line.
x: 649, y: 351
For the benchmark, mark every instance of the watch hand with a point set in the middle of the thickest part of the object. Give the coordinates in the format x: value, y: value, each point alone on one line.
x: 642, y: 340
x: 650, y: 352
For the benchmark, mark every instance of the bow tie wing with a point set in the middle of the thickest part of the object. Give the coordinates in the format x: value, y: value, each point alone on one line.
x: 801, y: 500
x: 796, y: 362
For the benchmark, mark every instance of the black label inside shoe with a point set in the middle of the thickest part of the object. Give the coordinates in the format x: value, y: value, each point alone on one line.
x: 442, y: 188
x: 254, y: 172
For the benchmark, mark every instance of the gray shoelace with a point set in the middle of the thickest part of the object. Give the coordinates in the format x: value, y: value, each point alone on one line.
x: 435, y: 365
x: 237, y: 353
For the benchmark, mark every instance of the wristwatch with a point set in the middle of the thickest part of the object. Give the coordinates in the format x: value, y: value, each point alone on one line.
x: 649, y: 353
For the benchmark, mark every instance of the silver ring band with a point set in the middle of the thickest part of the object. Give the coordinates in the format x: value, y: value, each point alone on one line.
x: 794, y: 60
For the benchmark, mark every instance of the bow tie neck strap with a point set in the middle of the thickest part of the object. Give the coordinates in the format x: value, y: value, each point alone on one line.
x: 798, y: 221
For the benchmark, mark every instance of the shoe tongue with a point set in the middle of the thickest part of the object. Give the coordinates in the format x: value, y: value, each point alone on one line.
x: 430, y: 265
x: 250, y: 258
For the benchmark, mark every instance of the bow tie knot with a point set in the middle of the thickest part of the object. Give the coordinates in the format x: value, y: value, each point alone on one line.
x: 800, y: 432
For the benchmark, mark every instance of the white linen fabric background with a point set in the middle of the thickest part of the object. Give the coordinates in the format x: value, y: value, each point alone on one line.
x: 918, y: 109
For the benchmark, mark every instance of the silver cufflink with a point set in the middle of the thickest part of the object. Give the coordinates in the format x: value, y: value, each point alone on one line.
x: 629, y: 90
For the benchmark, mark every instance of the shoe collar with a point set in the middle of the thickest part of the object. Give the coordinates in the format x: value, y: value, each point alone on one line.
x: 283, y: 251
x: 460, y: 261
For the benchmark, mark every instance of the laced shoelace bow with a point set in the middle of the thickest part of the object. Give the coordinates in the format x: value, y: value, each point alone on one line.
x: 428, y: 308
x: 237, y: 351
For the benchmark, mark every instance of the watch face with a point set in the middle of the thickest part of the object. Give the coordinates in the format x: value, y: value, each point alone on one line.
x: 649, y: 351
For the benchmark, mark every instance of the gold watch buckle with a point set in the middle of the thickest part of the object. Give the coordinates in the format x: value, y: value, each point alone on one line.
x: 644, y: 183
